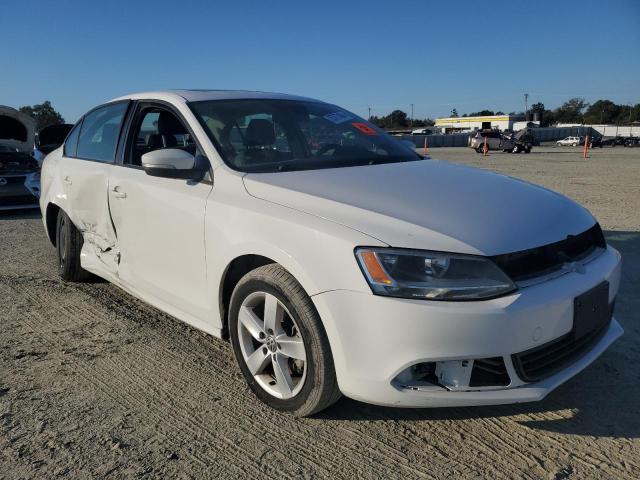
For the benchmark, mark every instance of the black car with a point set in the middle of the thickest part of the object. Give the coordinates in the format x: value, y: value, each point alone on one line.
x: 595, y: 142
x: 19, y: 179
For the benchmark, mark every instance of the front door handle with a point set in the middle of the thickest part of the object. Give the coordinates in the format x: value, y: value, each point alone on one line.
x: 67, y: 180
x: 117, y: 193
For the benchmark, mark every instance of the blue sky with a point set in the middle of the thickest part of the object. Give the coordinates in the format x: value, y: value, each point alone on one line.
x: 437, y: 55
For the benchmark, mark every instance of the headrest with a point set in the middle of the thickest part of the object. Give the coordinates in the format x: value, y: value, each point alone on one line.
x: 168, y: 124
x: 260, y: 132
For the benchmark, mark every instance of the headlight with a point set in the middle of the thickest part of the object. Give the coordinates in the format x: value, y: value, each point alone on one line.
x: 432, y: 275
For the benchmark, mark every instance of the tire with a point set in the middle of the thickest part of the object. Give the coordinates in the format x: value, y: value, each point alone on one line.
x: 574, y: 144
x: 312, y: 385
x: 527, y: 150
x: 516, y: 149
x: 558, y: 144
x: 480, y: 149
x: 68, y: 246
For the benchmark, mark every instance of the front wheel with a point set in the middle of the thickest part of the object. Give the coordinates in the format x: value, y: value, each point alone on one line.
x: 516, y: 149
x: 280, y: 343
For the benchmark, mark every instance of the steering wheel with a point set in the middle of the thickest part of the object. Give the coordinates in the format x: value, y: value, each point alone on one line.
x: 325, y: 148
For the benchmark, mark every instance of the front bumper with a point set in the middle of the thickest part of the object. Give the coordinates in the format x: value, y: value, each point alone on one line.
x: 19, y: 191
x: 374, y: 339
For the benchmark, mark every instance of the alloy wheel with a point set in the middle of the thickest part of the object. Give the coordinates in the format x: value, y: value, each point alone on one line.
x: 271, y: 344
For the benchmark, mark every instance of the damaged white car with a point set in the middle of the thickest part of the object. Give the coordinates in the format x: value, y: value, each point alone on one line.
x: 336, y: 260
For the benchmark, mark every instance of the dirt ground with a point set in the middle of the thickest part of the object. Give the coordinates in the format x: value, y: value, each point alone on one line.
x: 95, y: 384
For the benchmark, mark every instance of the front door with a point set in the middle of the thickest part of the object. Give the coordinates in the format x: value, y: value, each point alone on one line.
x: 160, y: 221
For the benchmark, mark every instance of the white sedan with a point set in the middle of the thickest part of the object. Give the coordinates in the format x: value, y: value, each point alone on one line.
x: 336, y: 260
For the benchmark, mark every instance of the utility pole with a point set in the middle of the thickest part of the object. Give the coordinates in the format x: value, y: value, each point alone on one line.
x: 526, y: 108
x: 369, y: 114
x: 411, y: 121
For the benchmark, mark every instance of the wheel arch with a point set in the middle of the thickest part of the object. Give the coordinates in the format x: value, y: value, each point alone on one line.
x: 50, y: 218
x: 235, y: 270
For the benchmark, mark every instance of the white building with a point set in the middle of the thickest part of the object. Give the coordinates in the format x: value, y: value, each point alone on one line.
x: 488, y: 122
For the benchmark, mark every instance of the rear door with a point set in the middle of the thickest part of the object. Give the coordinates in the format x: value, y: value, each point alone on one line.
x: 160, y: 221
x: 88, y: 159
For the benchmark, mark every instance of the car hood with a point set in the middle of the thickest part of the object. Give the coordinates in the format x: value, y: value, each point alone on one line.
x: 429, y: 204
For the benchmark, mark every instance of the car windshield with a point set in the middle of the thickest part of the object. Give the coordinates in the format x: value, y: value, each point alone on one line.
x: 265, y: 135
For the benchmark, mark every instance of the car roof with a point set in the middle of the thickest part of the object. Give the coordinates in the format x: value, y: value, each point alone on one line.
x: 202, y: 95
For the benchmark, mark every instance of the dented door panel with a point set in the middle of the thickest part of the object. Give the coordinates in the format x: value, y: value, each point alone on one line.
x: 86, y: 186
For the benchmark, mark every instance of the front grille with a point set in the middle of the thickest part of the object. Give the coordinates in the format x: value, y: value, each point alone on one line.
x: 489, y: 372
x: 539, y: 261
x: 543, y: 361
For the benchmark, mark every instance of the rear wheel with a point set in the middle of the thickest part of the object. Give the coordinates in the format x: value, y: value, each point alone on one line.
x: 516, y: 149
x: 68, y: 245
x: 280, y: 343
x: 527, y: 150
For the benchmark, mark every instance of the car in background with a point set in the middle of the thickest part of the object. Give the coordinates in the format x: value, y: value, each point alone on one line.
x: 609, y: 141
x: 595, y: 142
x: 352, y: 266
x: 19, y: 179
x: 570, y: 142
x: 493, y: 140
x: 422, y: 131
x: 48, y: 139
x: 524, y: 141
x: 19, y: 171
x: 632, y: 142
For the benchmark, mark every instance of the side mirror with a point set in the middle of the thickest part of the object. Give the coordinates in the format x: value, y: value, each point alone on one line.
x: 175, y: 163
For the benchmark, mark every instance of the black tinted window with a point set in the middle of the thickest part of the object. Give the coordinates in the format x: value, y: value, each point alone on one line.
x: 71, y: 143
x: 99, y: 133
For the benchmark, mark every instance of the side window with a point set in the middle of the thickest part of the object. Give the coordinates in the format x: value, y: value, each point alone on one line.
x: 71, y: 143
x: 158, y: 128
x: 99, y: 133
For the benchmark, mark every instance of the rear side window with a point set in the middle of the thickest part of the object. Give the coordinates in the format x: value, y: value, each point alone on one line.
x: 71, y: 143
x: 99, y: 133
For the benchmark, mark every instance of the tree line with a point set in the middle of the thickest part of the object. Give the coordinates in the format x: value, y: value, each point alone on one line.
x: 43, y: 113
x: 574, y: 110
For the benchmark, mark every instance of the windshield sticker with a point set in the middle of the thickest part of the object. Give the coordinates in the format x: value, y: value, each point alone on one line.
x: 338, y: 117
x: 364, y: 128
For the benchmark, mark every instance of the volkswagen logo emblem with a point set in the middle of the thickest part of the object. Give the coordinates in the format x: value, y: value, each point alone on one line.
x: 3, y: 181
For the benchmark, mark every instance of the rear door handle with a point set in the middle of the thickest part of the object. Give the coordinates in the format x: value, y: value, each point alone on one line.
x: 117, y: 193
x: 67, y: 180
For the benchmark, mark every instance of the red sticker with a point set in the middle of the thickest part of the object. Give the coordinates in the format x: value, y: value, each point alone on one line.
x: 364, y: 128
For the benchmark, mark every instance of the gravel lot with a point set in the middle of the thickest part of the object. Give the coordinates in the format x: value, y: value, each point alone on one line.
x: 95, y: 384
